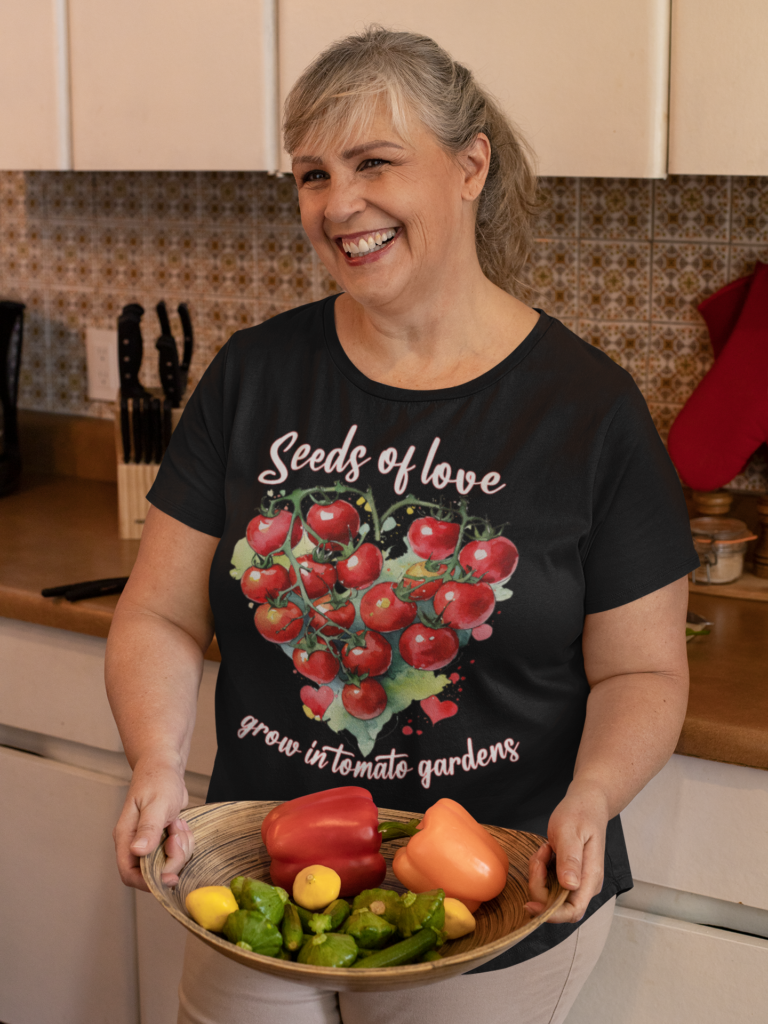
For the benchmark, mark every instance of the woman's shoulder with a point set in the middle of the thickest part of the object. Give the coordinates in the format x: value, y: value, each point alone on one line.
x: 294, y: 329
x: 578, y: 362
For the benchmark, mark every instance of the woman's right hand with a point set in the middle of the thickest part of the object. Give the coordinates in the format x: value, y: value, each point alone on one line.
x: 156, y: 796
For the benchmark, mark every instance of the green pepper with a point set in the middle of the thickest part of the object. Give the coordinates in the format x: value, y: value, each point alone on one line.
x: 293, y: 937
x: 329, y: 950
x: 338, y: 911
x: 320, y: 923
x: 421, y: 910
x: 253, y: 928
x: 388, y: 903
x: 369, y: 930
x: 261, y: 896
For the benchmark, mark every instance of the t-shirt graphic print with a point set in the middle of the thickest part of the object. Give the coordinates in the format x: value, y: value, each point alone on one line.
x: 401, y: 578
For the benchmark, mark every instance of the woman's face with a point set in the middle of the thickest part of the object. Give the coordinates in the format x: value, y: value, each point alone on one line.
x: 392, y: 221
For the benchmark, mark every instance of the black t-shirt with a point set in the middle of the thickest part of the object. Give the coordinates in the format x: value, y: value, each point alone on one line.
x: 469, y: 686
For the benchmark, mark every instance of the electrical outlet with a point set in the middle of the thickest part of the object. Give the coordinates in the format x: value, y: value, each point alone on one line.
x: 101, y: 357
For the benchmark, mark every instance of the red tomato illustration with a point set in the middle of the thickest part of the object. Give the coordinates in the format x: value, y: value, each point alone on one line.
x: 362, y: 568
x: 494, y: 560
x: 279, y: 625
x: 371, y: 656
x: 367, y: 700
x: 317, y: 577
x: 464, y: 605
x: 382, y: 610
x: 337, y: 521
x: 427, y: 648
x: 417, y: 578
x: 344, y: 615
x: 259, y: 584
x: 320, y: 665
x: 433, y: 538
x: 265, y: 534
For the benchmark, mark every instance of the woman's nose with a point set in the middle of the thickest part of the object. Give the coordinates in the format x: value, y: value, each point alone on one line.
x: 344, y: 199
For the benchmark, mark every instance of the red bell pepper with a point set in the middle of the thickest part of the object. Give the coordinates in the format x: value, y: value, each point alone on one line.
x: 337, y: 828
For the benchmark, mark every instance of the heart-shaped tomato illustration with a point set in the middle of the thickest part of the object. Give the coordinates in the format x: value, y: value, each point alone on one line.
x: 317, y: 700
x: 437, y: 709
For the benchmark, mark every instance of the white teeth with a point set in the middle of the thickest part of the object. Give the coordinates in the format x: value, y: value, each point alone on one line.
x: 369, y: 244
x: 363, y: 245
x: 379, y: 237
x: 353, y: 248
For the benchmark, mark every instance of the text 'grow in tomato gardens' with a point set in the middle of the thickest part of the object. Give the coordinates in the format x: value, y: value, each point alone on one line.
x: 348, y: 460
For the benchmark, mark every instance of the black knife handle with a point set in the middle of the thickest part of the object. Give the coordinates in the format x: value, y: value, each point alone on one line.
x: 167, y: 423
x: 146, y: 427
x: 138, y: 432
x: 189, y: 338
x: 168, y: 365
x: 125, y: 428
x: 111, y: 581
x: 162, y: 316
x: 157, y: 430
x: 130, y: 348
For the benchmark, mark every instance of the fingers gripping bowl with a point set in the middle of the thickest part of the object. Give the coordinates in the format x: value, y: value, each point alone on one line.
x: 228, y: 843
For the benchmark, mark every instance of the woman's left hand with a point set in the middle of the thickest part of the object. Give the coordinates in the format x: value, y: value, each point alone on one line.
x: 576, y: 838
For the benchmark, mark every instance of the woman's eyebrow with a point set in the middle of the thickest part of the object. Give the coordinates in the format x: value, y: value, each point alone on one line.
x: 348, y: 154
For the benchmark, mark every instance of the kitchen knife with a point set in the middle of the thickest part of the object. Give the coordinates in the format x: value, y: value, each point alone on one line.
x: 189, y: 344
x: 156, y: 417
x: 125, y: 428
x: 130, y: 347
x: 168, y: 363
x: 148, y: 445
x: 91, y: 588
x: 137, y: 428
x: 167, y: 423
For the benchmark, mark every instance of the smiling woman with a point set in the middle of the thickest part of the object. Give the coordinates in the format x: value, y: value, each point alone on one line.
x: 515, y: 638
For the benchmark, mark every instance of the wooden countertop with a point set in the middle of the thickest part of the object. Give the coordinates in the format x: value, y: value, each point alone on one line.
x: 64, y: 529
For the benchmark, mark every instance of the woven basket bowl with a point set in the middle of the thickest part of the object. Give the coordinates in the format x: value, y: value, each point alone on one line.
x: 228, y: 843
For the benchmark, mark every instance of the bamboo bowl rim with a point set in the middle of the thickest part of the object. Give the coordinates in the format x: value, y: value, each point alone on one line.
x: 209, y: 823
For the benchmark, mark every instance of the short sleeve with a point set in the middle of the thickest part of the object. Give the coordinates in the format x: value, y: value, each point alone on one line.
x: 640, y: 538
x: 190, y: 482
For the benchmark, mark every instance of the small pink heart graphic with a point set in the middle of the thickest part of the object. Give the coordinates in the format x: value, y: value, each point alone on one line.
x: 318, y: 701
x: 436, y: 709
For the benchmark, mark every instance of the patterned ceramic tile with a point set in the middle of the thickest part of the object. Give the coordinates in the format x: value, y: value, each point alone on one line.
x: 22, y: 252
x: 12, y: 195
x: 227, y: 260
x: 219, y: 319
x: 615, y: 208
x: 614, y: 280
x: 558, y: 208
x: 173, y: 259
x: 680, y: 355
x: 119, y: 255
x: 277, y: 200
x: 684, y: 274
x: 228, y: 198
x: 35, y: 354
x: 70, y: 313
x: 551, y: 274
x: 663, y: 417
x: 749, y: 214
x: 70, y: 253
x: 285, y: 267
x: 688, y: 207
x: 172, y: 196
x: 324, y: 283
x: 69, y: 195
x: 744, y: 257
x: 120, y: 195
x: 625, y: 343
x: 35, y: 189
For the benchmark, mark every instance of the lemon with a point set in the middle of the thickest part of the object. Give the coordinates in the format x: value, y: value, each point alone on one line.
x: 458, y: 920
x: 211, y: 905
x: 316, y: 886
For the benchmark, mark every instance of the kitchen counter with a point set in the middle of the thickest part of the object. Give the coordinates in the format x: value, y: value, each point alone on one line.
x: 63, y: 530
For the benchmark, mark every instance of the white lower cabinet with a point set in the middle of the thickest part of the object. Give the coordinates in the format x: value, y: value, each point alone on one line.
x: 68, y: 934
x: 659, y: 970
x: 161, y: 942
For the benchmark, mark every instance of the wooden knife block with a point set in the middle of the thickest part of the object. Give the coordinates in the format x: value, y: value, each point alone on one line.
x: 134, y: 481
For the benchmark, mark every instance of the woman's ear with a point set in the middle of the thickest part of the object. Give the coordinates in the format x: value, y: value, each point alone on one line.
x: 475, y: 161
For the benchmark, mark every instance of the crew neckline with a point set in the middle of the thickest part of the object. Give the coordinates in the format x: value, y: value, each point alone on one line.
x: 345, y: 365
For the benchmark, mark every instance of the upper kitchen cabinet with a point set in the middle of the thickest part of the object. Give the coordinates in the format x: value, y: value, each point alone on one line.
x: 587, y: 80
x: 719, y: 87
x: 173, y: 85
x: 34, y: 115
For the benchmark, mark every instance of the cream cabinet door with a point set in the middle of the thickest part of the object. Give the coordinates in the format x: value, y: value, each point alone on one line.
x: 34, y: 98
x: 177, y: 85
x: 587, y: 80
x: 719, y: 87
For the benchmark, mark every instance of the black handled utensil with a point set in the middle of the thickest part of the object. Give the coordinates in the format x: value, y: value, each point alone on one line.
x: 125, y: 428
x: 130, y: 348
x: 168, y: 364
x: 90, y: 588
x: 189, y: 344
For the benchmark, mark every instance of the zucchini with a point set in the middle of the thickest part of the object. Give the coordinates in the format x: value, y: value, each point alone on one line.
x: 401, y: 952
x: 293, y: 933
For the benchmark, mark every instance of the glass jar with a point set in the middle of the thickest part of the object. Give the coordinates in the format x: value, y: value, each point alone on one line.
x: 720, y: 544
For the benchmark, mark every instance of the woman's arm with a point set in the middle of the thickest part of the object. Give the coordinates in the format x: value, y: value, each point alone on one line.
x: 637, y: 668
x: 160, y: 632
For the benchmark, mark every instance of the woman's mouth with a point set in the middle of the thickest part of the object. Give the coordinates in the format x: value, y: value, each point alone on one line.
x: 357, y: 247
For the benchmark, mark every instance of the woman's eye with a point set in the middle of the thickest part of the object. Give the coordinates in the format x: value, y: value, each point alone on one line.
x: 315, y: 175
x: 373, y: 161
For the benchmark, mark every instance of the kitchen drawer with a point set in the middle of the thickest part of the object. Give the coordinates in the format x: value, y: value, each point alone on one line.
x: 68, y: 935
x: 658, y: 970
x: 697, y: 826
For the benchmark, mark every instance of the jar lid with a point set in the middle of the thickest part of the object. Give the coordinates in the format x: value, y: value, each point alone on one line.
x: 719, y: 528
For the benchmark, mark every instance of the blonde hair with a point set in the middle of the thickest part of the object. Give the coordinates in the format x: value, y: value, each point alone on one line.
x: 343, y: 87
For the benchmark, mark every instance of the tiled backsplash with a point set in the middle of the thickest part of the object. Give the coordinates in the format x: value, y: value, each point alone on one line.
x: 623, y: 262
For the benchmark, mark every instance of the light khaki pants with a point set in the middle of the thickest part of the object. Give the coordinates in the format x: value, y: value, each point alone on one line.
x: 216, y: 990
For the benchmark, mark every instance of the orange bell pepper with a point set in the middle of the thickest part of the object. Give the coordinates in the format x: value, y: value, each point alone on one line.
x: 449, y: 850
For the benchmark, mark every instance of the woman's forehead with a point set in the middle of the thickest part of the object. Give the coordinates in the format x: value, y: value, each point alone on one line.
x: 345, y: 133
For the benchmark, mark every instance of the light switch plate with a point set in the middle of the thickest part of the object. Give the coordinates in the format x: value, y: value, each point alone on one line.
x: 101, y: 356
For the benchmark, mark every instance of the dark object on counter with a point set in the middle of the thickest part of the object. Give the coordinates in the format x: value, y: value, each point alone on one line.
x: 173, y: 375
x: 130, y: 350
x: 125, y: 428
x: 11, y: 333
x: 91, y: 588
